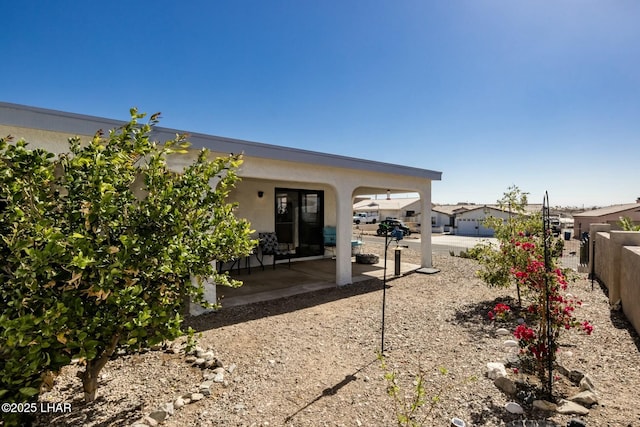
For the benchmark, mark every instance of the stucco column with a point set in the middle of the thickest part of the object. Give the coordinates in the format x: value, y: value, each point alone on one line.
x: 425, y: 227
x: 344, y: 229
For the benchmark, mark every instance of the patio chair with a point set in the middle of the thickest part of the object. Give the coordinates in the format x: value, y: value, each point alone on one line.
x: 329, y: 239
x: 269, y: 246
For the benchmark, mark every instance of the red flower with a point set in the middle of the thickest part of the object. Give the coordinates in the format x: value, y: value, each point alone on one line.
x: 588, y: 327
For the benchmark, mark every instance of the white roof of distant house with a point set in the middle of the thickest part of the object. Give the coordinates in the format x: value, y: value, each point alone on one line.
x: 463, y: 207
x: 609, y: 210
x: 384, y: 204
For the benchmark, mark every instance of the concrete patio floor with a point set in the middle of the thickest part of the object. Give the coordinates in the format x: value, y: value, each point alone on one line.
x: 302, y: 277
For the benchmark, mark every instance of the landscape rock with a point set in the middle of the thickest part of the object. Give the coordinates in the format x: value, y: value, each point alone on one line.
x: 150, y: 422
x: 545, y: 405
x: 576, y: 376
x: 205, y: 388
x: 586, y: 383
x: 168, y: 408
x: 514, y: 408
x: 219, y: 377
x: 495, y: 370
x: 502, y: 331
x: 179, y: 403
x: 159, y: 415
x: 568, y: 407
x: 585, y: 398
x: 510, y: 343
x: 505, y: 385
x: 196, y: 396
x: 561, y: 370
x: 511, y: 359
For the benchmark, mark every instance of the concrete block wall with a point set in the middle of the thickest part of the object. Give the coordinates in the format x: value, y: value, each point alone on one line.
x: 603, y: 258
x: 617, y: 264
x: 630, y: 284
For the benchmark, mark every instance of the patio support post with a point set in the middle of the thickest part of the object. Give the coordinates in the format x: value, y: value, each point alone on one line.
x: 344, y: 228
x: 425, y: 227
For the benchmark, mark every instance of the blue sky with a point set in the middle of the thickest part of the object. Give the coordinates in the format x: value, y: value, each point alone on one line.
x: 541, y: 94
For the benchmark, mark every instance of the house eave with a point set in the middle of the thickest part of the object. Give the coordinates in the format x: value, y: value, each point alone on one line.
x: 80, y: 124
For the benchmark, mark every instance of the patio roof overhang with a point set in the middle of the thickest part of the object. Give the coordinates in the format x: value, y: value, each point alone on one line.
x: 348, y: 176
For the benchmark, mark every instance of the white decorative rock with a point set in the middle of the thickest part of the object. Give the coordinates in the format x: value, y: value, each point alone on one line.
x: 179, y: 403
x: 514, y: 408
x: 510, y: 343
x: 502, y: 331
x: 567, y: 407
x: 196, y: 396
x: 496, y: 370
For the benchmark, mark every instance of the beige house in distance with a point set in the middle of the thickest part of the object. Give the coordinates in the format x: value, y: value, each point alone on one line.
x: 316, y: 189
x: 609, y: 215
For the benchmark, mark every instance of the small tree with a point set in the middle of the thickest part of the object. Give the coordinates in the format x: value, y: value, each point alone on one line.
x: 497, y: 264
x: 99, y: 247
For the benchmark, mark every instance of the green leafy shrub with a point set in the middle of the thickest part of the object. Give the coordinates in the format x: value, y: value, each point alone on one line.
x: 99, y: 248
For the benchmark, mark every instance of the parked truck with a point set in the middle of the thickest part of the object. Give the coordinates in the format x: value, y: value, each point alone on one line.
x: 365, y: 218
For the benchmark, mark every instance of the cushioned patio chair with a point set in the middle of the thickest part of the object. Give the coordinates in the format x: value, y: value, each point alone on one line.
x: 269, y: 246
x: 329, y: 239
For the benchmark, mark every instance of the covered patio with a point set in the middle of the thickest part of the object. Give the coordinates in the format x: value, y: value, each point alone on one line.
x: 303, y: 276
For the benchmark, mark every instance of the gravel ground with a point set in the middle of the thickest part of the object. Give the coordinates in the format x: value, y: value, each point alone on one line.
x: 311, y: 360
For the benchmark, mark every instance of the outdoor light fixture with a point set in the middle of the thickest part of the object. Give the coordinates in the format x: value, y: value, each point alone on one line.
x: 260, y: 194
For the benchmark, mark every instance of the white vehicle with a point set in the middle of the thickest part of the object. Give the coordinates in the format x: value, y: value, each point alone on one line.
x: 366, y: 218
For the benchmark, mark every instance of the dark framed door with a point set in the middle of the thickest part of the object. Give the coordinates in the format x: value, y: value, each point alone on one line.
x: 299, y: 220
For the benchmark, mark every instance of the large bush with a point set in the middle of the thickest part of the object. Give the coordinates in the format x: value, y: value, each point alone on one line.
x: 98, y: 247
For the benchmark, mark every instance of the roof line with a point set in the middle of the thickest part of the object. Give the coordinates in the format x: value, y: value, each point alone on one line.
x: 74, y: 123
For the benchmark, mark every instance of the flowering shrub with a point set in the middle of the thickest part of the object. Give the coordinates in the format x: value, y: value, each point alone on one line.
x: 501, y: 312
x: 520, y: 260
x: 539, y: 342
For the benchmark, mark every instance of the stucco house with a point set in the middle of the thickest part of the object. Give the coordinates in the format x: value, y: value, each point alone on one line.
x: 293, y: 192
x: 407, y: 209
x: 470, y: 221
x: 609, y: 215
x: 466, y: 219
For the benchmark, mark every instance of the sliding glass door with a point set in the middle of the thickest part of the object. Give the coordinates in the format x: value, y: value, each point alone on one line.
x: 299, y: 220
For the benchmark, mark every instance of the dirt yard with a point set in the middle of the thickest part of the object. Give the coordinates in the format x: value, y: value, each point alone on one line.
x: 311, y: 360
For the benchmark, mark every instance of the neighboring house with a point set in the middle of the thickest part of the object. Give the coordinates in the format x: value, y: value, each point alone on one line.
x: 470, y: 221
x: 441, y: 220
x: 407, y: 209
x: 290, y: 191
x: 609, y: 215
x: 467, y: 219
